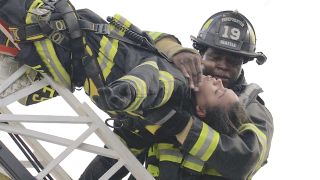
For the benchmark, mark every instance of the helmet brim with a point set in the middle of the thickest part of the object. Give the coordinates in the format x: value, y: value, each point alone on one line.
x: 242, y: 53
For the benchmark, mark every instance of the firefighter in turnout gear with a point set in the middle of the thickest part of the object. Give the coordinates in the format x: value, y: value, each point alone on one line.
x: 208, y: 152
x: 226, y: 41
x: 79, y: 49
x: 116, y: 63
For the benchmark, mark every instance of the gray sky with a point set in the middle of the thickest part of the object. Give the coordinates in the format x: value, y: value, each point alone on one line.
x: 287, y: 32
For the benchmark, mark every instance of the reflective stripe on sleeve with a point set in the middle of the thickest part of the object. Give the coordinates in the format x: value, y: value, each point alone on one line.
x: 107, y: 51
x: 193, y: 163
x: 263, y: 142
x: 141, y: 91
x: 206, y: 143
x: 212, y: 172
x: 151, y: 63
x: 109, y: 47
x: 168, y: 81
x: 153, y: 170
x: 167, y: 152
x: 124, y: 21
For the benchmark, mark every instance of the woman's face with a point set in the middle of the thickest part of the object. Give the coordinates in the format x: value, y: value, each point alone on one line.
x: 212, y: 94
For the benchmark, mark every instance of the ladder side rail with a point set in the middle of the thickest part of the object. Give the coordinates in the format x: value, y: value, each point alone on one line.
x: 58, y: 140
x: 35, y: 86
x: 103, y: 132
x: 38, y: 150
x: 112, y: 141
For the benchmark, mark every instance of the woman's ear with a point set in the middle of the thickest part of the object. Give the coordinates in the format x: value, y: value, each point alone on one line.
x: 200, y: 111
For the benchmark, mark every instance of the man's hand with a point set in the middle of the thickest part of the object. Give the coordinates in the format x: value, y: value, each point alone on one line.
x: 190, y: 65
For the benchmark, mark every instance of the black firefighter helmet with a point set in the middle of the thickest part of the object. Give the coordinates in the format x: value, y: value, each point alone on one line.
x: 229, y: 31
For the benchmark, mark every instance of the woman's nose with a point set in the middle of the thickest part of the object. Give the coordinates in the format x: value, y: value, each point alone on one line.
x: 218, y: 82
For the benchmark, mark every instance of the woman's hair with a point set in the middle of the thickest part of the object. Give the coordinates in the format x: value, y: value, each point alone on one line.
x: 226, y: 120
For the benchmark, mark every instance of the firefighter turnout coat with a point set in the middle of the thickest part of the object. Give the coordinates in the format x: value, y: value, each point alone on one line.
x: 80, y: 49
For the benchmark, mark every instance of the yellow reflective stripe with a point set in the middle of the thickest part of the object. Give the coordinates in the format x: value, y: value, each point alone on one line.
x: 207, y: 24
x: 107, y: 52
x: 141, y: 91
x: 88, y: 50
x: 93, y: 89
x: 211, y: 171
x: 38, y: 68
x: 206, y: 143
x: 153, y: 170
x: 193, y: 163
x: 154, y: 35
x: 135, y: 114
x: 30, y: 18
x: 171, y: 155
x: 108, y: 49
x: 136, y: 151
x: 124, y: 21
x: 151, y: 63
x: 167, y: 152
x: 46, y: 51
x: 35, y: 37
x: 48, y: 55
x: 165, y: 146
x: 263, y: 141
x: 152, y: 128
x: 153, y: 150
x: 168, y: 80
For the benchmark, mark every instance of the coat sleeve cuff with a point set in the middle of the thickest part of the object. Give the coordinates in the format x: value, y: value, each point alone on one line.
x: 201, y: 141
x: 170, y: 47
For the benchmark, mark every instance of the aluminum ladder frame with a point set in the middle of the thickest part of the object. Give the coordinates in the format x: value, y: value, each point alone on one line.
x: 86, y: 115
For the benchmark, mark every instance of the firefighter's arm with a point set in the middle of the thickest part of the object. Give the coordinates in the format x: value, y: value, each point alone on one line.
x: 249, y: 148
x: 139, y: 89
x: 187, y: 60
x: 181, y: 137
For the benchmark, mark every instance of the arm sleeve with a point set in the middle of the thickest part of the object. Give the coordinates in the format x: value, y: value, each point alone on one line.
x: 238, y: 156
x: 153, y: 86
x: 169, y: 44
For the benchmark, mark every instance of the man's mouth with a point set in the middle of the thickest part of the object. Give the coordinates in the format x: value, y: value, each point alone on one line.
x: 221, y: 77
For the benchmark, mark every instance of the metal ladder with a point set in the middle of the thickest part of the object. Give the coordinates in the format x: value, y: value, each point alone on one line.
x: 85, y: 115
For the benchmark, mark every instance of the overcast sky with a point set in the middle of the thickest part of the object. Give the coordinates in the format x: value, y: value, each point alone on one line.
x: 287, y: 32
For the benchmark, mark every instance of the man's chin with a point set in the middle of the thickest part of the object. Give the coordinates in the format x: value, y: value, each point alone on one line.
x: 226, y: 82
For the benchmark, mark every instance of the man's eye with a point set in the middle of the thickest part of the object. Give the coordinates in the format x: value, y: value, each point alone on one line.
x: 217, y: 57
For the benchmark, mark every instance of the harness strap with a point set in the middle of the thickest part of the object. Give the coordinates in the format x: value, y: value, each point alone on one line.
x: 250, y: 93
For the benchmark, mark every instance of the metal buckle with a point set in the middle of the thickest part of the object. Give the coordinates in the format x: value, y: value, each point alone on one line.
x: 101, y: 29
x: 59, y: 25
x: 56, y: 37
x: 14, y: 33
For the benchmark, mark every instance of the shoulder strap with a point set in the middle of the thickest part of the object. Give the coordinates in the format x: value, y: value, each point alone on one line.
x: 250, y: 93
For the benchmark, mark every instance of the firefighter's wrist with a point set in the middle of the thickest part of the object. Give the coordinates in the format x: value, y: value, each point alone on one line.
x: 170, y: 47
x: 181, y: 137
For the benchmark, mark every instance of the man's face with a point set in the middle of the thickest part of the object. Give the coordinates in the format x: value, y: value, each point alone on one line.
x: 212, y: 93
x: 222, y: 65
